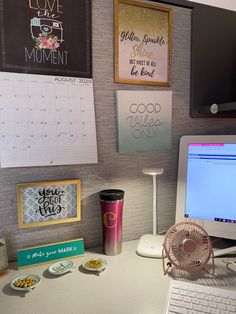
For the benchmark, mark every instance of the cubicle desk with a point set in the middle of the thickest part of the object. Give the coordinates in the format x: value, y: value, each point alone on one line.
x: 130, y: 285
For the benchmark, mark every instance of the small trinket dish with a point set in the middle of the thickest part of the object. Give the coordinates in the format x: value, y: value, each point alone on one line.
x: 94, y: 264
x: 61, y: 267
x: 25, y: 282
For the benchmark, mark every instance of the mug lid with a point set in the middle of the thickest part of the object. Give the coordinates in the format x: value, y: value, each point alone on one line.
x: 111, y: 195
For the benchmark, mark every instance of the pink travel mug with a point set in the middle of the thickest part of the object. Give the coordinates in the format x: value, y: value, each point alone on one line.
x: 112, y: 209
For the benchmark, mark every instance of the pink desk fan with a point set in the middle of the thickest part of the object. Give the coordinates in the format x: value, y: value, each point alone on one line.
x: 188, y: 247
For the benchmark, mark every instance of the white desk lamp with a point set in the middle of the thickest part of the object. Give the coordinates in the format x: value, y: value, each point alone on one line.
x: 150, y: 245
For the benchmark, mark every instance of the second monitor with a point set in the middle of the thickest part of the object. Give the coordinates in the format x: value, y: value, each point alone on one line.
x: 206, y: 189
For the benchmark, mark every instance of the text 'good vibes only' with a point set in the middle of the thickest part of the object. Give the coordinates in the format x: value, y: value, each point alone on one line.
x: 144, y: 120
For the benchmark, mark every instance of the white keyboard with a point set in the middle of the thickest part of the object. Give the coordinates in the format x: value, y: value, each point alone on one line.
x: 190, y: 298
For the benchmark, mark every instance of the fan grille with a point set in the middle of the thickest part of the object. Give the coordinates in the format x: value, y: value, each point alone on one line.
x: 187, y: 246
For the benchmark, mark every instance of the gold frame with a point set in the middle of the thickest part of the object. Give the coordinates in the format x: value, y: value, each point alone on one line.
x: 21, y: 186
x: 150, y: 6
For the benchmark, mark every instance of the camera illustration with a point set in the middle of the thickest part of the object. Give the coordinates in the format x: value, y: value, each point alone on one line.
x: 47, y: 33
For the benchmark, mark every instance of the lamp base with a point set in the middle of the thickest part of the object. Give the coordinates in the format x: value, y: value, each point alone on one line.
x: 150, y: 245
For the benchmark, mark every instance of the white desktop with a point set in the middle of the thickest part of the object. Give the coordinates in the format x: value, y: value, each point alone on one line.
x: 206, y: 188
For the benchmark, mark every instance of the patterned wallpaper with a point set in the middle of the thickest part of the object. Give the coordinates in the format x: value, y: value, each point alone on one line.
x: 123, y: 171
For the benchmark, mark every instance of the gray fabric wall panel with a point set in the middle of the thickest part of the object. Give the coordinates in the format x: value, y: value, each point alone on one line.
x: 114, y: 170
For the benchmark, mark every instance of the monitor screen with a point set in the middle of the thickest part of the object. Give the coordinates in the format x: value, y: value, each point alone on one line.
x: 206, y: 187
x: 211, y: 182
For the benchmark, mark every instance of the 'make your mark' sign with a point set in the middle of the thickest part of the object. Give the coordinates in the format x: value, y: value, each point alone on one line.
x: 46, y: 253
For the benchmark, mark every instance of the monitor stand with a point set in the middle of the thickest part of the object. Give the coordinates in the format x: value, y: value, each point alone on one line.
x: 150, y: 245
x: 227, y: 251
x: 223, y: 247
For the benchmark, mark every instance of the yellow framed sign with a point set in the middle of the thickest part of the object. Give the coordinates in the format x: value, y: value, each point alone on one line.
x: 48, y: 203
x: 143, y: 43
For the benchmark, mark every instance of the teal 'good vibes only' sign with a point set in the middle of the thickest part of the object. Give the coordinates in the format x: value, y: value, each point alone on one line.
x: 46, y: 253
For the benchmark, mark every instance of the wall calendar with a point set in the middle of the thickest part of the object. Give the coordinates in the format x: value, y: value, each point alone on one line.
x: 46, y: 120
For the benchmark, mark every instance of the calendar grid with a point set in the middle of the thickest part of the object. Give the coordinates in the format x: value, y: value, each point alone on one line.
x: 46, y: 120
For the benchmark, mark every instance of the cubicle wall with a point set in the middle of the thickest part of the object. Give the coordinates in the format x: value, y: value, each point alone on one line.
x: 115, y: 170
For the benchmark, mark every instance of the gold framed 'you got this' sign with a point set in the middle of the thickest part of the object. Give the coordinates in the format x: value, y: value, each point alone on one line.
x: 143, y: 33
x: 47, y: 203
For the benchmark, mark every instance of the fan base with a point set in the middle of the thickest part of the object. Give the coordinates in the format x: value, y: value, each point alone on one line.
x: 150, y: 245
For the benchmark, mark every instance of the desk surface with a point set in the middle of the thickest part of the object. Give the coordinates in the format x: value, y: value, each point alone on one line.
x: 131, y: 284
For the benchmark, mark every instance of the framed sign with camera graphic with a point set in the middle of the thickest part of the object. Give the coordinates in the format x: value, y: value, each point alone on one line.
x: 51, y: 37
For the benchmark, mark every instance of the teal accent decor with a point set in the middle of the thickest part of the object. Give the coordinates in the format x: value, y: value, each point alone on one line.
x: 47, y: 253
x: 144, y: 120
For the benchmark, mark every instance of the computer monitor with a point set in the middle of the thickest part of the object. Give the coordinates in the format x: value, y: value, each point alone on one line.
x: 206, y: 187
